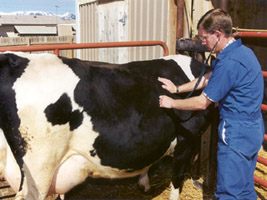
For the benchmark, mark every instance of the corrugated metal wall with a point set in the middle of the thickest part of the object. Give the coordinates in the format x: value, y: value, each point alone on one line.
x: 88, y: 32
x: 148, y: 20
x: 129, y: 20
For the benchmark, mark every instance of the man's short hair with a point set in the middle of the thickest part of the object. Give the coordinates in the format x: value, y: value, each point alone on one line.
x: 216, y: 19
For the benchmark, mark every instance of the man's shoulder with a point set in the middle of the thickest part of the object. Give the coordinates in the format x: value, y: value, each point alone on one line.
x: 243, y: 54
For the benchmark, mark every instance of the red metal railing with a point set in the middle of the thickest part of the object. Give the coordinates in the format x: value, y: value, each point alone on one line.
x: 257, y: 34
x: 58, y: 47
x: 260, y: 181
x: 248, y: 34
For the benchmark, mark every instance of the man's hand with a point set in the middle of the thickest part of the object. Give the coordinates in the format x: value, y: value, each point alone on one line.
x: 167, y: 85
x: 165, y: 101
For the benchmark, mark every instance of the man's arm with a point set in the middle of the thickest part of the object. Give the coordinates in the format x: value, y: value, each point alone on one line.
x: 187, y: 87
x: 200, y: 102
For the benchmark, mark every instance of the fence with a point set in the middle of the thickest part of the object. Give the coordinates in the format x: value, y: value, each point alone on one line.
x: 56, y: 48
x: 12, y: 42
x: 257, y: 34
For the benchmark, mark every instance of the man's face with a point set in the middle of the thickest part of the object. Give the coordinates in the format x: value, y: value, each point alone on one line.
x: 208, y: 39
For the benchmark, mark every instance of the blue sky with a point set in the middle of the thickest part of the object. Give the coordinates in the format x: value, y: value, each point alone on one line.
x: 54, y: 6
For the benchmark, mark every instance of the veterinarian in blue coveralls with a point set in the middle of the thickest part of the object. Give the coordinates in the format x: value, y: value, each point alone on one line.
x: 236, y: 83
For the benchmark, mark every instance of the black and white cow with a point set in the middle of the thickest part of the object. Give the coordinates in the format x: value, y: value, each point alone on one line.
x: 62, y: 120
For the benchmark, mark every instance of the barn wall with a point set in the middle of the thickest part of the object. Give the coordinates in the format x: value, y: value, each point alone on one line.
x: 103, y: 23
x: 128, y: 20
x: 191, y: 15
x: 88, y: 29
x: 132, y: 20
x: 112, y: 27
x: 249, y: 14
x: 5, y: 31
x: 147, y: 22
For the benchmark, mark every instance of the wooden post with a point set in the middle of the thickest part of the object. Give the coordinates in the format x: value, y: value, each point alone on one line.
x: 28, y: 41
x: 180, y: 19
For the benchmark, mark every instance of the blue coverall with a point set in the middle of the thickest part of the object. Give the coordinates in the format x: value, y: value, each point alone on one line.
x: 237, y: 85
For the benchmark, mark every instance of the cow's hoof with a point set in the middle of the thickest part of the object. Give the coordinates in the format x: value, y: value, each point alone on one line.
x: 174, y: 193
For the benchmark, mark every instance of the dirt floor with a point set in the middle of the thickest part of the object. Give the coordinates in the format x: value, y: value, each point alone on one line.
x: 160, y: 178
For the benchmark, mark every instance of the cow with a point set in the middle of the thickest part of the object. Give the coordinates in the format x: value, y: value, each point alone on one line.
x: 63, y: 120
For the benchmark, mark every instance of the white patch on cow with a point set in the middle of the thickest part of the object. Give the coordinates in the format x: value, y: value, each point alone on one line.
x: 144, y: 181
x: 175, y: 193
x: 170, y: 150
x: 184, y: 62
x: 45, y: 79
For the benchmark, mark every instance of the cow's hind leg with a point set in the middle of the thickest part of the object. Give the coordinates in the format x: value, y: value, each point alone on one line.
x: 182, y: 155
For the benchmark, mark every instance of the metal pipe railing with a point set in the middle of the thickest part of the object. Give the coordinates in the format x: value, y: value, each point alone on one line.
x: 264, y: 107
x: 257, y: 34
x: 249, y: 34
x: 57, y: 47
x: 262, y: 160
x: 260, y: 181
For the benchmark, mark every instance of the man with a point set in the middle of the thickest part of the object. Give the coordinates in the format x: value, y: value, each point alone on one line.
x: 236, y: 83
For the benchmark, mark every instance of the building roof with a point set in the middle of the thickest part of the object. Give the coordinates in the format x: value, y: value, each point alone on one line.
x: 36, y: 30
x: 80, y: 2
x: 31, y: 19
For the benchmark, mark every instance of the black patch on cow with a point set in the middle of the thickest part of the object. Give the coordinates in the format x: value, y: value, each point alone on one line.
x: 61, y: 112
x: 11, y: 68
x: 93, y: 153
x: 122, y: 101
